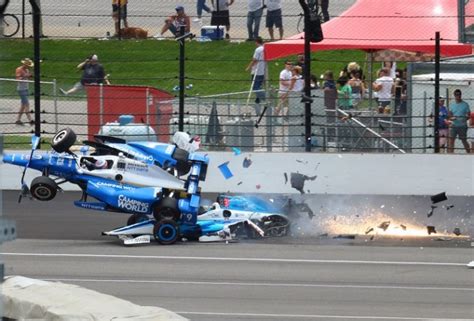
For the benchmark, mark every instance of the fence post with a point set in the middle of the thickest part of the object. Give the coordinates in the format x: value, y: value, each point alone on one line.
x: 101, y: 105
x: 55, y: 102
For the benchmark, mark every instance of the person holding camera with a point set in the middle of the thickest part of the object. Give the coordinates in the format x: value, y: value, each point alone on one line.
x: 92, y: 74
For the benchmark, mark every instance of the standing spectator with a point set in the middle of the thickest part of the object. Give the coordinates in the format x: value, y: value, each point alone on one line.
x: 329, y: 88
x: 357, y: 86
x: 384, y: 88
x: 297, y: 81
x: 284, y: 87
x: 201, y: 5
x: 92, y: 74
x: 174, y: 23
x: 257, y: 68
x: 344, y: 94
x: 23, y: 74
x: 459, y: 113
x: 471, y: 131
x: 220, y: 14
x: 325, y: 10
x: 392, y: 67
x: 443, y: 129
x: 119, y: 12
x: 274, y: 18
x: 254, y: 16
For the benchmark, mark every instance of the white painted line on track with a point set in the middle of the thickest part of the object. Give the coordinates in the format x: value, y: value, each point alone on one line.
x: 229, y: 259
x: 314, y: 316
x: 343, y: 286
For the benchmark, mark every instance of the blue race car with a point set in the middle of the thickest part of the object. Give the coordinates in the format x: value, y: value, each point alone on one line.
x: 229, y: 218
x: 142, y: 179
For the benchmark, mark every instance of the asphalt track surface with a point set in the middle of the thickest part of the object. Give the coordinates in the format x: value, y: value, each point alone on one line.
x: 285, y: 279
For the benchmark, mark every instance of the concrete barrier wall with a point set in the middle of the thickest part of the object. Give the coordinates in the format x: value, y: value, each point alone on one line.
x: 373, y: 174
x: 25, y: 298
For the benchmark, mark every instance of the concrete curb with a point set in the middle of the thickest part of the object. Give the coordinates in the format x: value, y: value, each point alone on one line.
x: 25, y: 298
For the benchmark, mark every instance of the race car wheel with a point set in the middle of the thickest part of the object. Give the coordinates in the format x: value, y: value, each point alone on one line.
x: 43, y: 188
x: 167, y: 208
x: 63, y: 140
x: 166, y: 232
x: 137, y: 218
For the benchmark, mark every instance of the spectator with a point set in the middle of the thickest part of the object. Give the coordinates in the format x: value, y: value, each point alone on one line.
x: 443, y: 130
x: 257, y: 68
x: 201, y: 5
x: 357, y: 86
x: 392, y: 67
x: 471, y: 131
x: 274, y: 18
x: 220, y: 14
x: 344, y: 94
x: 174, y: 23
x: 325, y: 10
x: 23, y: 74
x: 297, y: 81
x: 329, y: 88
x: 92, y: 74
x: 284, y: 87
x: 119, y: 12
x: 254, y: 16
x: 384, y: 88
x: 458, y: 115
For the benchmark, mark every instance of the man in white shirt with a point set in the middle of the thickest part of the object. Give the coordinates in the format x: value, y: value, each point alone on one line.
x: 257, y: 70
x: 274, y: 18
x: 254, y: 15
x: 384, y: 87
x: 285, y: 83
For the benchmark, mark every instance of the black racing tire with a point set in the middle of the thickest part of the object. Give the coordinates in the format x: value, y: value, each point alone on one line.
x: 166, y: 232
x: 167, y: 208
x: 136, y: 218
x: 63, y: 140
x: 43, y: 188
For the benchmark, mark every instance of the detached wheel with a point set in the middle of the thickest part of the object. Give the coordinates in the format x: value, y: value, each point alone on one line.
x: 63, y: 140
x: 43, y: 188
x: 166, y: 232
x: 137, y: 218
x: 167, y: 208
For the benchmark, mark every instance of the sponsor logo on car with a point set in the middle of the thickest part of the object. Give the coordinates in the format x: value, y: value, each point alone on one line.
x: 137, y: 167
x: 132, y: 205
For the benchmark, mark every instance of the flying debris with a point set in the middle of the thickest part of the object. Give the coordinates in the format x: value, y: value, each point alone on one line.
x: 384, y: 225
x: 431, y: 230
x: 438, y: 198
x: 370, y: 229
x: 297, y: 181
x: 457, y: 231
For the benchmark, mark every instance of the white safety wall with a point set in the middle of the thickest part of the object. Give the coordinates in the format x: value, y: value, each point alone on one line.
x: 350, y: 174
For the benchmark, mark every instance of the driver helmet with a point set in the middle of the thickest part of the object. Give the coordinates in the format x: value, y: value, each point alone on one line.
x: 100, y: 163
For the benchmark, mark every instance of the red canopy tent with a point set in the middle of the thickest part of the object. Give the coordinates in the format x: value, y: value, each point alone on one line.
x: 372, y: 25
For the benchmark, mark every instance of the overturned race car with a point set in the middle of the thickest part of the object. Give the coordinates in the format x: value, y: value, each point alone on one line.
x: 156, y: 184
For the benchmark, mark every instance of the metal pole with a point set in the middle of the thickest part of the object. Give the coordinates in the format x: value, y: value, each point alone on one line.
x: 307, y: 75
x: 37, y: 73
x: 181, y: 80
x: 55, y: 92
x: 436, y: 106
x: 23, y: 8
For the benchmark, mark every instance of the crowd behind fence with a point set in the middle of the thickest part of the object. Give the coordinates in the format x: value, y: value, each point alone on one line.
x: 230, y: 120
x: 89, y: 18
x: 225, y: 120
